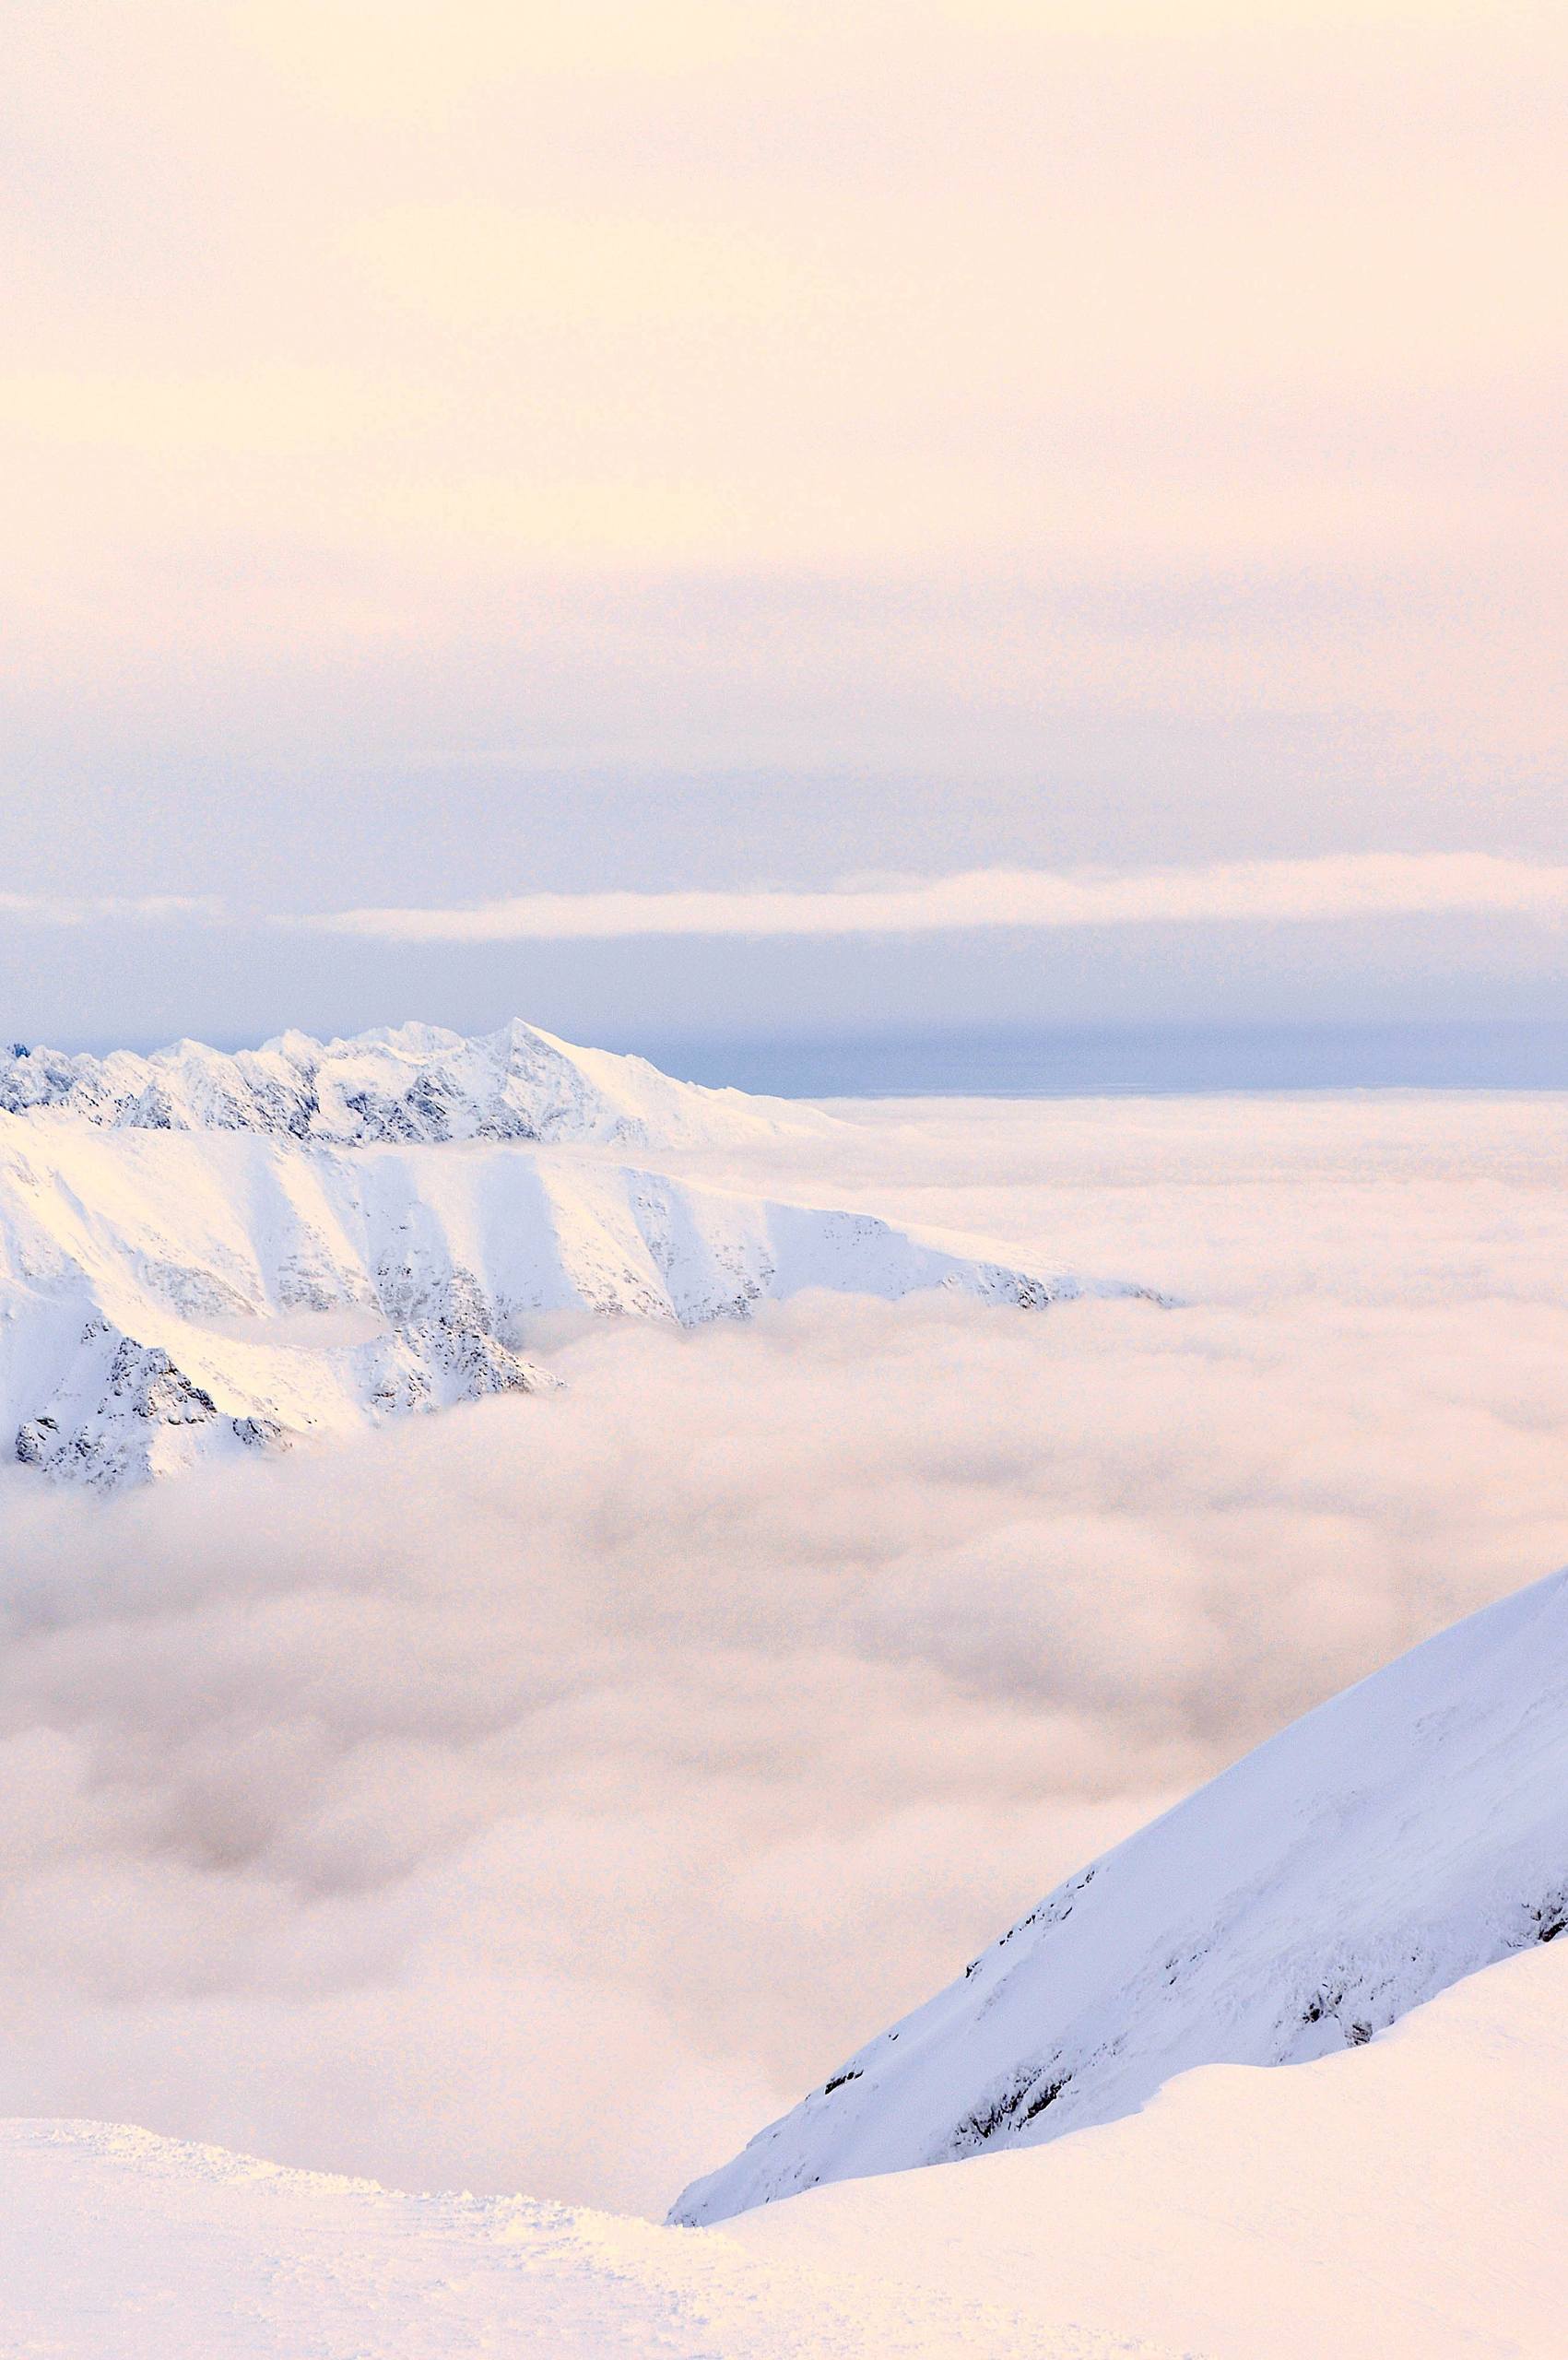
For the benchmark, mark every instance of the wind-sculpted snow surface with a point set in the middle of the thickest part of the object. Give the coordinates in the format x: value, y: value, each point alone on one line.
x: 414, y: 1083
x: 112, y: 2242
x: 1407, y: 1833
x: 164, y: 1296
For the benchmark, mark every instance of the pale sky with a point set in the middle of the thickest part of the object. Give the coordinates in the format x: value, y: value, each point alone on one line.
x: 653, y: 471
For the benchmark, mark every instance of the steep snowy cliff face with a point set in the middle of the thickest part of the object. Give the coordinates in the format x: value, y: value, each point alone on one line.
x: 1407, y: 1833
x: 188, y: 1266
x: 414, y: 1083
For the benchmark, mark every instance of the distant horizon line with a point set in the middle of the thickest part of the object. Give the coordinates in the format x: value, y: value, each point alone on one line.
x: 1182, y: 1057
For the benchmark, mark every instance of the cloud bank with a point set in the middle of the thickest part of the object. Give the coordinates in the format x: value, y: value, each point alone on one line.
x: 1343, y: 885
x: 1333, y: 886
x: 540, y: 1797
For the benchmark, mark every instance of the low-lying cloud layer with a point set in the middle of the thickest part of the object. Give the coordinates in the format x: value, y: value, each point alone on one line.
x: 540, y: 1796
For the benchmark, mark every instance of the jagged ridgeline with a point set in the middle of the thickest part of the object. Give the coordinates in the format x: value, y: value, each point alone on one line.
x: 415, y: 1084
x: 205, y: 1253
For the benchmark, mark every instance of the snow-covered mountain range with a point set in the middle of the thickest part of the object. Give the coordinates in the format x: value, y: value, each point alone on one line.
x: 1404, y: 1836
x: 203, y: 1254
x: 414, y: 1083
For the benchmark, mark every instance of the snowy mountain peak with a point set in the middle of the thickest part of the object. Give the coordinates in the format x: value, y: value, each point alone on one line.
x: 409, y: 1083
x: 168, y: 1294
x: 1407, y: 1833
x: 204, y: 1252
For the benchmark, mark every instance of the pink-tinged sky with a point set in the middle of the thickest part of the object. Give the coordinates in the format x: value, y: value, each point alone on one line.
x: 463, y: 455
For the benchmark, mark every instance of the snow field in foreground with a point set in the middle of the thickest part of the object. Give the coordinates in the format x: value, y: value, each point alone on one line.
x: 198, y: 2255
x: 1401, y: 2201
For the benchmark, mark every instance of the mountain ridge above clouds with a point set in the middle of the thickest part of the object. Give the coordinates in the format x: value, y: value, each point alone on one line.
x: 195, y: 1262
x: 1409, y: 1833
x: 404, y: 1084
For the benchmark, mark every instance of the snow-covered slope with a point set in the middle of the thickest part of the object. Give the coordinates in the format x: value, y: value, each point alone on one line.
x: 416, y: 1083
x: 1403, y: 2202
x: 117, y: 2246
x: 164, y: 1295
x: 1407, y: 1833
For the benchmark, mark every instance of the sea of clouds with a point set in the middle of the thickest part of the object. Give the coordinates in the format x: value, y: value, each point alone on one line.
x: 544, y: 1795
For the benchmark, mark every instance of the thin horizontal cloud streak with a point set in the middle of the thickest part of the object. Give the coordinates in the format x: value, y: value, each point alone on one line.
x: 1318, y: 890
x: 1348, y: 885
x: 89, y: 909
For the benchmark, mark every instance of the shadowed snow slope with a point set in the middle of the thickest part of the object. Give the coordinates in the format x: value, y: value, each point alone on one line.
x: 1402, y: 2201
x: 1399, y: 2203
x: 417, y: 1082
x: 164, y: 1295
x: 1409, y: 1832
